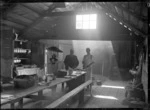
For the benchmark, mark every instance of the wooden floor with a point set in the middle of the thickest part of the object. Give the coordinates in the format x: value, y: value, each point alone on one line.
x: 103, y: 97
x: 106, y: 97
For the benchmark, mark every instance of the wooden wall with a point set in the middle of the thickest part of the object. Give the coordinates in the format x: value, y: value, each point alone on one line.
x: 6, y: 52
x: 145, y: 71
x: 106, y: 30
x: 124, y: 51
x: 37, y: 56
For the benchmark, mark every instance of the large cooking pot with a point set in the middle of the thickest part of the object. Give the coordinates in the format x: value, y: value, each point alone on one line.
x: 24, y: 81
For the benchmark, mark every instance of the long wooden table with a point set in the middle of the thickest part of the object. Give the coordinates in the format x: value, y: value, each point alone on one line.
x: 19, y: 94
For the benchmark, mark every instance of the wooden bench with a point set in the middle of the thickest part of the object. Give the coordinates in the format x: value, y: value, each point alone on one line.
x: 79, y: 89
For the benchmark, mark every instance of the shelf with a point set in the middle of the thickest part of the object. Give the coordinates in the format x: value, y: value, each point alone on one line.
x: 22, y: 52
x: 20, y: 58
x: 20, y: 40
x: 22, y: 48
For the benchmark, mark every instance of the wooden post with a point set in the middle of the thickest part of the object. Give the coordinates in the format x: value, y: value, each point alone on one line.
x: 102, y: 68
x: 81, y: 97
x: 54, y: 89
x: 12, y: 105
x: 63, y: 86
x: 135, y: 60
x: 91, y: 90
x: 40, y: 93
x: 81, y: 94
x: 21, y: 103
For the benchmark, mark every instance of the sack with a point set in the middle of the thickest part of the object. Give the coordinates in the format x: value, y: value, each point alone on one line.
x: 24, y: 81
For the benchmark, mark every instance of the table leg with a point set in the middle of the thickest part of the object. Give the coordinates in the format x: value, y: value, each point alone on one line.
x: 62, y: 85
x: 12, y: 105
x: 40, y: 93
x: 21, y: 103
x: 54, y: 89
x: 81, y: 97
x: 91, y: 90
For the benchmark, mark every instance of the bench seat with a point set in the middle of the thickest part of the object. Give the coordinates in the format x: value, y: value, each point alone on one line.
x: 69, y: 95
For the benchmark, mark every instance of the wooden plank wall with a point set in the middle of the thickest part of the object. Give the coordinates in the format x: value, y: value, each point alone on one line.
x: 124, y: 53
x: 6, y: 52
x: 37, y: 56
x: 145, y: 71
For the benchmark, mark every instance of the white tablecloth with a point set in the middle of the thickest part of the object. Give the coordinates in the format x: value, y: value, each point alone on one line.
x: 28, y: 71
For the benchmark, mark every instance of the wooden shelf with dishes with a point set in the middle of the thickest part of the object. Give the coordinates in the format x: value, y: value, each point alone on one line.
x: 22, y: 52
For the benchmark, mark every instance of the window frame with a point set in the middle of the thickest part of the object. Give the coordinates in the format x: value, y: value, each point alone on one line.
x: 88, y: 22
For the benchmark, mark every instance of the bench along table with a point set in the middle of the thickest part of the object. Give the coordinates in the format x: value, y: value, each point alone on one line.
x: 79, y: 89
x: 19, y: 94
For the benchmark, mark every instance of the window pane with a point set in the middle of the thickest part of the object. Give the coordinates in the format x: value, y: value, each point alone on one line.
x: 78, y: 25
x: 85, y: 18
x: 93, y: 17
x: 78, y: 17
x: 92, y: 24
x: 85, y: 25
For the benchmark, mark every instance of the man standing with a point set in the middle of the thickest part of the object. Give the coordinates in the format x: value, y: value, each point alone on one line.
x: 87, y: 64
x: 71, y: 60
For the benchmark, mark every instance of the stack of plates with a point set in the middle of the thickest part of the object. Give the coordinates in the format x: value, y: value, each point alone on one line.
x: 69, y: 76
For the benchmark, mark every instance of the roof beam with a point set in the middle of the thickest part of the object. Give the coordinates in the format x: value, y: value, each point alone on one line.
x: 11, y: 24
x: 34, y: 23
x: 143, y: 19
x: 124, y: 21
x: 114, y: 37
x: 69, y: 13
x: 19, y: 18
x: 34, y: 10
x: 65, y: 13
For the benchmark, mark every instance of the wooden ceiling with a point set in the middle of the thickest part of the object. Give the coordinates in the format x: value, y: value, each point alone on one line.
x: 38, y: 19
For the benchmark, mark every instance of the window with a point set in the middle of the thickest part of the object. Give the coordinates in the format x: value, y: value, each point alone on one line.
x: 87, y: 21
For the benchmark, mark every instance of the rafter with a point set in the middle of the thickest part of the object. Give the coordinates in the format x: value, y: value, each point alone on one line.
x: 65, y: 13
x: 34, y: 23
x: 124, y: 21
x: 18, y: 17
x: 128, y: 14
x: 144, y: 19
x: 34, y: 10
x: 11, y: 24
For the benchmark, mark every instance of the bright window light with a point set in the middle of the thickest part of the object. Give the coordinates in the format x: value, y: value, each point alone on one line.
x: 118, y: 87
x: 86, y: 21
x: 105, y: 97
